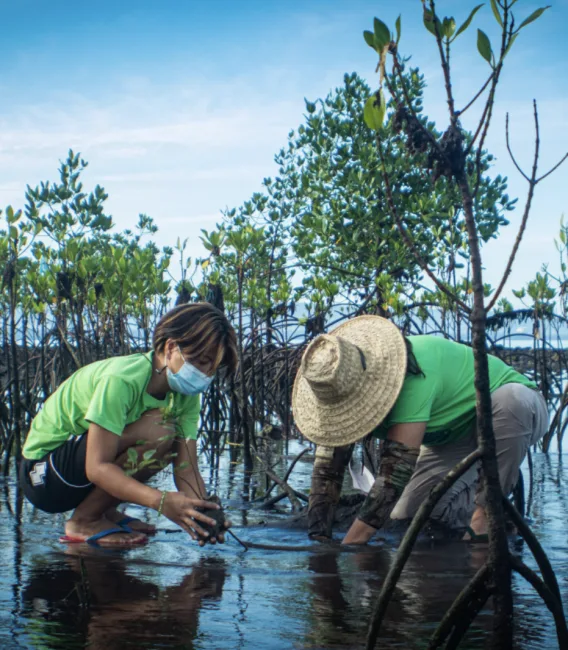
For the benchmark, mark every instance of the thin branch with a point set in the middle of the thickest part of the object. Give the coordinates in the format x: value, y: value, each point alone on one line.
x: 478, y: 131
x: 398, y: 68
x: 507, y: 139
x: 532, y: 184
x: 445, y: 67
x: 408, y: 541
x: 408, y: 240
x: 553, y: 169
x: 506, y: 36
x: 477, y: 96
x: 69, y: 347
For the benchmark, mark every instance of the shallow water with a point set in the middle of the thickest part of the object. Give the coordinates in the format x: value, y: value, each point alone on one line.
x: 172, y: 594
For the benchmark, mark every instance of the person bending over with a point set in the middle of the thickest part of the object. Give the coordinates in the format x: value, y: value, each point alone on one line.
x: 78, y: 454
x: 417, y: 393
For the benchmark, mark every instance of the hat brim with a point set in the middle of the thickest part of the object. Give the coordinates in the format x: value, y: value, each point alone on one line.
x: 358, y: 413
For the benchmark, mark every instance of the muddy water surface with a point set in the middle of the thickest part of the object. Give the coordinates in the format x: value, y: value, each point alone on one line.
x: 172, y: 594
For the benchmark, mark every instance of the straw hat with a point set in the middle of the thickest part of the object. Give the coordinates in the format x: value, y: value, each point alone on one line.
x: 349, y: 380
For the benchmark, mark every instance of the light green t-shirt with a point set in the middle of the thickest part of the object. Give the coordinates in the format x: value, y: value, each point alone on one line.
x: 445, y: 396
x: 110, y: 393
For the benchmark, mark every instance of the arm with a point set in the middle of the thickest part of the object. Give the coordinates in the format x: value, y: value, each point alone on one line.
x: 327, y: 479
x: 187, y: 477
x: 186, y: 470
x: 397, y: 464
x: 103, y: 469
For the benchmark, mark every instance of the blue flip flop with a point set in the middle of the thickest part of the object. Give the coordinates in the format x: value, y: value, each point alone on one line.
x: 123, y: 523
x: 93, y: 539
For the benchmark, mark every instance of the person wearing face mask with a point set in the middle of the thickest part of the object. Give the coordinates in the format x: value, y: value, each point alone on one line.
x: 78, y: 453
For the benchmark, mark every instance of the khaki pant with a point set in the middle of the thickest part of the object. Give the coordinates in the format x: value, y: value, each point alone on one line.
x: 520, y: 419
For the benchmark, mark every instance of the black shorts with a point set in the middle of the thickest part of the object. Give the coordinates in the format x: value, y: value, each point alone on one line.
x: 58, y: 481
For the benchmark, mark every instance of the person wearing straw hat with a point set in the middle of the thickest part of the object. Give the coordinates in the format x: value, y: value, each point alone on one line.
x: 417, y: 394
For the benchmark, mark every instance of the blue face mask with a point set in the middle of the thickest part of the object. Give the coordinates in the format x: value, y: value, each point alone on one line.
x: 188, y: 380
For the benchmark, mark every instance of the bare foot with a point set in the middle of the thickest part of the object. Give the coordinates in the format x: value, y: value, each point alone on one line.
x: 81, y: 530
x: 115, y: 516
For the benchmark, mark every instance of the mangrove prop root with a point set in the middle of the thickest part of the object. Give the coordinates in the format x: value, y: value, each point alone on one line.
x: 283, y: 495
x: 408, y: 542
x: 549, y: 598
x: 289, y: 491
x: 454, y: 615
x: 469, y: 614
x: 539, y: 555
x: 287, y: 475
x: 470, y: 611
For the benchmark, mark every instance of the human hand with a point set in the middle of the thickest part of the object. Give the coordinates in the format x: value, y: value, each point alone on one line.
x: 188, y: 513
x: 359, y: 533
x: 217, y: 532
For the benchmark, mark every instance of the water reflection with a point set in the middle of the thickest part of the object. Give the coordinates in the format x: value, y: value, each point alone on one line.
x: 90, y: 599
x: 171, y: 594
x: 343, y: 590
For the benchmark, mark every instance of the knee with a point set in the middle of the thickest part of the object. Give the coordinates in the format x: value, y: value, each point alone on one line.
x: 156, y: 432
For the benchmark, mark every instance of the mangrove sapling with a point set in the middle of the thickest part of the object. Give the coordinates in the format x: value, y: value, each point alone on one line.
x: 217, y: 514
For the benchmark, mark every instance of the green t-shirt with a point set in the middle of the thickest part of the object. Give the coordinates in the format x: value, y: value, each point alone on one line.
x: 445, y: 396
x: 110, y: 393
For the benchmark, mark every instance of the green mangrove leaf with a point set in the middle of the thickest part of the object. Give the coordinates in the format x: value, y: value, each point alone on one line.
x: 369, y: 38
x: 382, y: 34
x: 496, y: 13
x: 468, y: 21
x: 431, y: 22
x: 484, y: 46
x: 374, y: 111
x: 448, y: 27
x: 535, y: 14
x: 398, y: 28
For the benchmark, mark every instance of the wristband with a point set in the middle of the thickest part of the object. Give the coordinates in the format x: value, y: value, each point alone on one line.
x: 162, y: 500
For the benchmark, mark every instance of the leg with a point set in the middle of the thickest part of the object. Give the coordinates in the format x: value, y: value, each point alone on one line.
x: 327, y: 479
x: 98, y: 510
x: 520, y: 419
x: 454, y: 509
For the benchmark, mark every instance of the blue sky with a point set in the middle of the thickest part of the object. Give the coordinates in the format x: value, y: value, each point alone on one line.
x: 179, y: 107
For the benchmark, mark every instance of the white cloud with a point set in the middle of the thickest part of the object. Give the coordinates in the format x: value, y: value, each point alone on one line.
x: 181, y: 151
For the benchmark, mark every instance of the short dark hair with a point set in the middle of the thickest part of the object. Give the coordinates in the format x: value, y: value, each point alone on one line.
x: 199, y: 328
x: 412, y: 366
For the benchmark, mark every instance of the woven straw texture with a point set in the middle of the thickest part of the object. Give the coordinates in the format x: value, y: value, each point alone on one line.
x: 335, y: 402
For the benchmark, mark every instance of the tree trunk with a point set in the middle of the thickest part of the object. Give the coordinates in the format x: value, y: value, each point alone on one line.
x: 498, y: 548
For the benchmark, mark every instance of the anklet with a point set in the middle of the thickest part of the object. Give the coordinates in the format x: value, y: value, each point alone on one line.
x: 162, y: 500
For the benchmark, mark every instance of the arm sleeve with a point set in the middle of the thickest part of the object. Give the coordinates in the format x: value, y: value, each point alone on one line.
x: 189, y: 417
x: 397, y: 465
x: 110, y: 403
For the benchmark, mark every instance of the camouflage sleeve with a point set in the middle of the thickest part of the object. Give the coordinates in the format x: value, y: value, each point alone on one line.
x: 327, y: 479
x: 395, y: 469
